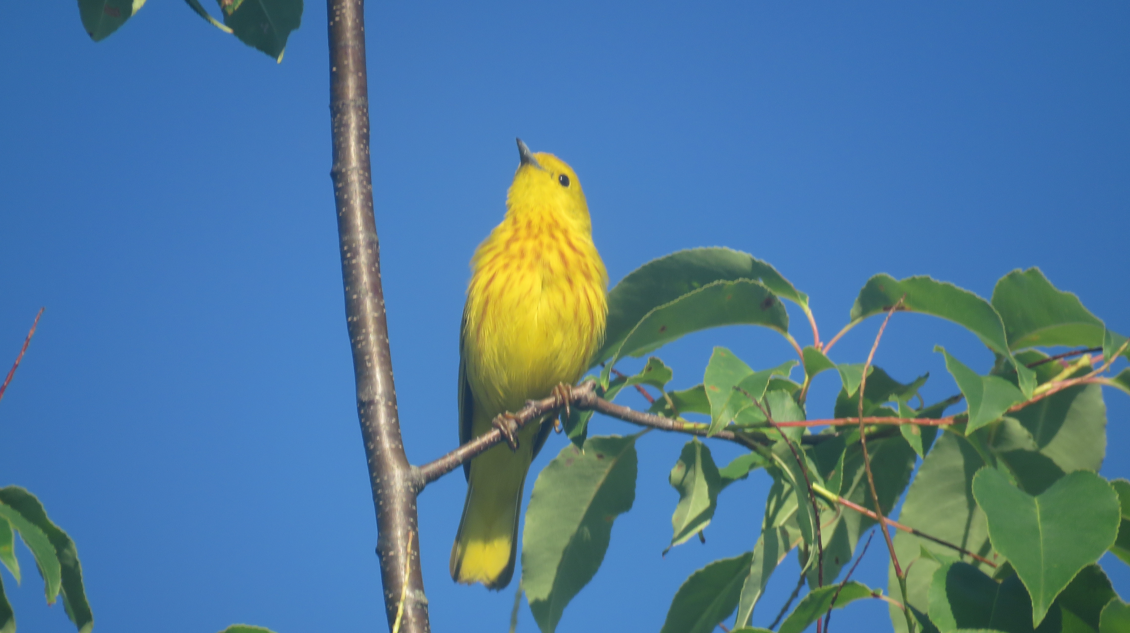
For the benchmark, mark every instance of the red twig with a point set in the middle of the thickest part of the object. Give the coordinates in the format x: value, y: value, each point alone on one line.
x: 867, y: 463
x: 909, y: 530
x: 863, y: 438
x: 639, y: 388
x: 15, y: 365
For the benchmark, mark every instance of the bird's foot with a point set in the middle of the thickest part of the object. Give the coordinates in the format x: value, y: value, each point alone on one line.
x: 562, y: 396
x: 507, y: 425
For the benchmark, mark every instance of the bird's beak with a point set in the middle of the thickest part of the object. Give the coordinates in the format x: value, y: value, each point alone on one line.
x: 525, y: 156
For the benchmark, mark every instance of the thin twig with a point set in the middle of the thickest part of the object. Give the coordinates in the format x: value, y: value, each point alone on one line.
x: 789, y: 603
x: 851, y: 505
x: 639, y: 388
x: 828, y: 616
x: 836, y: 338
x: 815, y: 331
x: 15, y: 365
x: 867, y: 462
x: 582, y: 397
x: 1077, y: 352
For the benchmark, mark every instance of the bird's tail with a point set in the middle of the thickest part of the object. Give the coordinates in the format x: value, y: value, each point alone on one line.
x: 486, y: 544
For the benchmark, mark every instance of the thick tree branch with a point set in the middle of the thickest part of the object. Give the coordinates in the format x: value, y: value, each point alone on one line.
x: 394, y: 492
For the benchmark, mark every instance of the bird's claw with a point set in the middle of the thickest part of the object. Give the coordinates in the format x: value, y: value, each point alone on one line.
x: 507, y: 425
x: 562, y: 396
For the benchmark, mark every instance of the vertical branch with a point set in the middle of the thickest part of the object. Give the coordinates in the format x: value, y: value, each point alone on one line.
x: 391, y: 477
x: 867, y: 465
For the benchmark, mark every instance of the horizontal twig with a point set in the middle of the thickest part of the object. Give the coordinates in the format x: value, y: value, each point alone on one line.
x: 830, y: 496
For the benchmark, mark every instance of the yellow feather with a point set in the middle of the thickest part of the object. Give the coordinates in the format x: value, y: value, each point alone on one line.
x: 534, y: 315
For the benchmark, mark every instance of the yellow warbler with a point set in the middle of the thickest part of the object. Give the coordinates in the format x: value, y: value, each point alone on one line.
x: 534, y: 315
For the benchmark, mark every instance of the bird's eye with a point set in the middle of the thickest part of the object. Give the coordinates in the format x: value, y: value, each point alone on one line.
x: 564, y: 180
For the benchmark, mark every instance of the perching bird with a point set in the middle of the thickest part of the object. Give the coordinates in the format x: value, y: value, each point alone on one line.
x: 534, y: 315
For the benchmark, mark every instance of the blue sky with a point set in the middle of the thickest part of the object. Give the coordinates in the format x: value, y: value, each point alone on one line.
x: 186, y: 409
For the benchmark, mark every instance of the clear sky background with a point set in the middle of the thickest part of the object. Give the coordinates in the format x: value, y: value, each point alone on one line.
x: 186, y: 410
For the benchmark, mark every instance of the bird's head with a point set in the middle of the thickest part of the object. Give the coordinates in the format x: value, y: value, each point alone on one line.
x: 544, y: 183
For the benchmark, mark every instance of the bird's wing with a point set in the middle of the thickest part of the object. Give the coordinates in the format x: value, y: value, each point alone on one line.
x: 466, y: 400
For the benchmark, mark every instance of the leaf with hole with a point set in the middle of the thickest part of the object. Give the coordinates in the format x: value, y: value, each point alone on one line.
x: 1050, y: 537
x: 708, y: 596
x: 575, y: 500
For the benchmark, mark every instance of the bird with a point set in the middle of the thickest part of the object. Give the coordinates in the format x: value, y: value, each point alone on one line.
x: 534, y: 316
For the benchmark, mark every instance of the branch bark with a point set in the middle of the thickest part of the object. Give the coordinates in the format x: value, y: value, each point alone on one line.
x: 390, y: 475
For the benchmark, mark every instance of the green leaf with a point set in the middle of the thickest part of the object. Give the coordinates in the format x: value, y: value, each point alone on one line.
x: 772, y: 547
x: 729, y: 384
x: 940, y: 502
x: 696, y: 478
x: 40, y: 547
x: 246, y: 628
x: 7, y: 616
x: 1121, y: 547
x: 1113, y: 342
x: 740, y: 467
x: 1049, y: 538
x: 676, y: 403
x: 1115, y: 617
x: 654, y: 373
x: 892, y: 462
x: 919, y: 437
x: 817, y: 602
x: 798, y: 480
x: 741, y: 302
x: 880, y: 388
x: 264, y: 24
x: 708, y: 596
x: 815, y: 362
x: 962, y: 597
x: 100, y: 18
x: 1035, y: 313
x: 74, y: 595
x: 1082, y: 602
x: 723, y: 372
x: 569, y: 523
x: 8, y: 549
x: 1122, y: 381
x: 668, y: 278
x: 1069, y: 427
x: 851, y: 374
x: 989, y: 397
x: 943, y: 300
x: 202, y: 12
